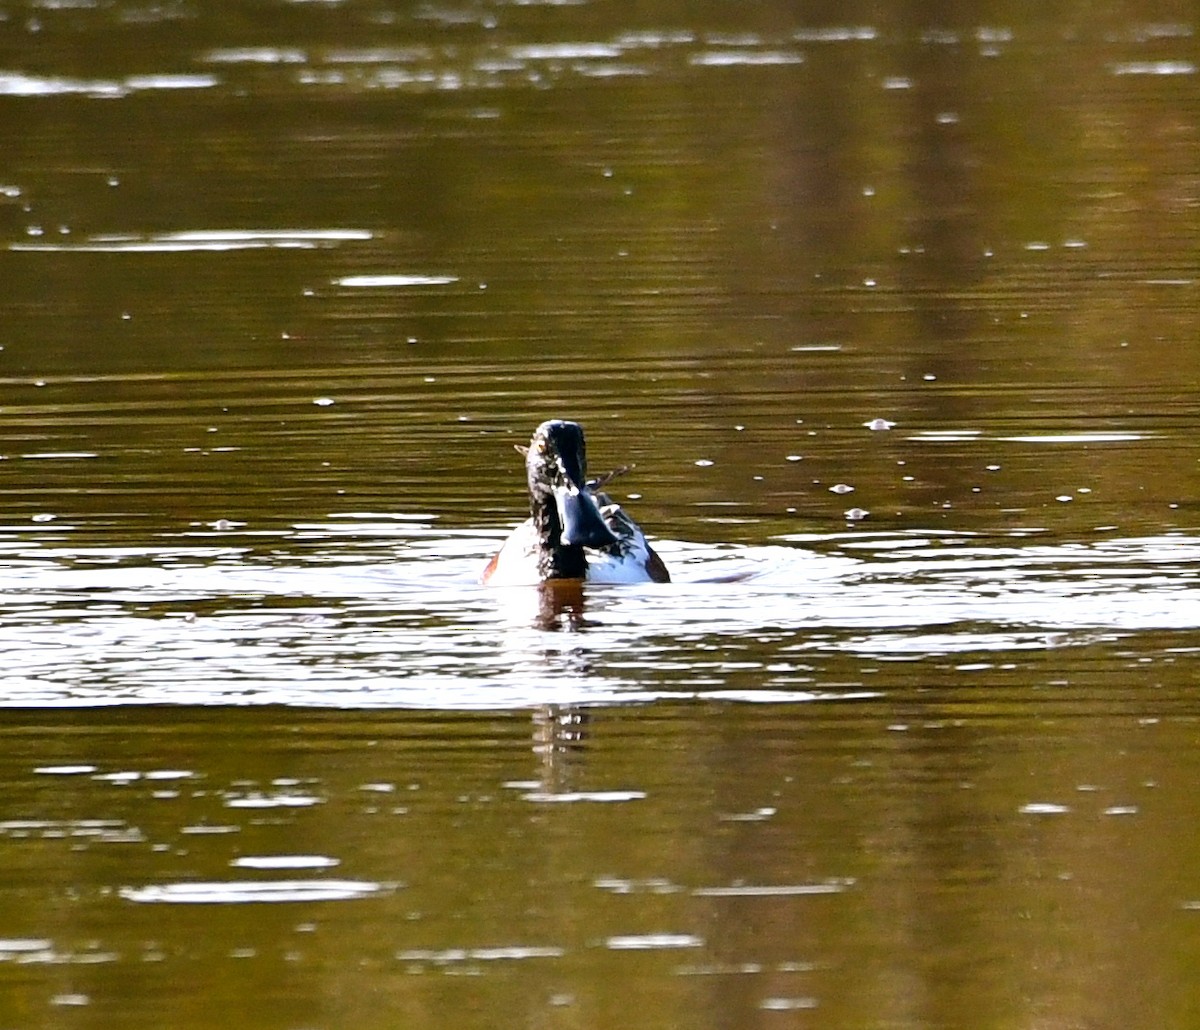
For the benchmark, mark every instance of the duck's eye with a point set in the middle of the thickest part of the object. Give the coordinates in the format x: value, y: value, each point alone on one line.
x: 540, y: 447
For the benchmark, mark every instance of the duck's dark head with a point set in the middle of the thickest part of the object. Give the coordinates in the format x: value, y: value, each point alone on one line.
x: 563, y: 507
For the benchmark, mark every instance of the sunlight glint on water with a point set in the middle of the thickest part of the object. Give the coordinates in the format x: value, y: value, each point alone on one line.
x: 194, y: 629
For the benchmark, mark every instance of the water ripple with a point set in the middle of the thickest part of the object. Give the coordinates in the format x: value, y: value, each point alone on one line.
x: 739, y: 624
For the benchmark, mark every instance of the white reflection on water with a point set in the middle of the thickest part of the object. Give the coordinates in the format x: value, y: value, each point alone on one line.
x: 13, y: 946
x: 214, y: 625
x: 774, y: 890
x: 255, y: 55
x: 731, y: 58
x: 653, y: 941
x: 1154, y: 68
x: 1085, y: 438
x: 190, y: 240
x: 511, y: 952
x: 98, y: 831
x: 396, y: 279
x: 643, y: 52
x: 20, y: 84
x: 584, y: 795
x: 273, y: 801
x: 285, y: 862
x: 236, y: 892
x: 29, y: 951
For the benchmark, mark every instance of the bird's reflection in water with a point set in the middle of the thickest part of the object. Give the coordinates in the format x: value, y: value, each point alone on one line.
x: 560, y: 731
x: 560, y: 735
x: 538, y: 624
x: 560, y: 605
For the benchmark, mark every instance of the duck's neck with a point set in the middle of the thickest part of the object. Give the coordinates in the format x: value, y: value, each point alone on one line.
x: 555, y: 559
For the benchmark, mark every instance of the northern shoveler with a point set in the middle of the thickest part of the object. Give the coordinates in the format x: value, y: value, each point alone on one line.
x: 574, y: 531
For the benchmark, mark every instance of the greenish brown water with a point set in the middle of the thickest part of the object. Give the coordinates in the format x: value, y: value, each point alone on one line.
x: 895, y: 313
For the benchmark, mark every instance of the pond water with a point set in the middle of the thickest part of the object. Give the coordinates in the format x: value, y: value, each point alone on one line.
x: 894, y: 313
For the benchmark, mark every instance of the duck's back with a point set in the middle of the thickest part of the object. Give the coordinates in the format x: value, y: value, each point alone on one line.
x: 631, y: 559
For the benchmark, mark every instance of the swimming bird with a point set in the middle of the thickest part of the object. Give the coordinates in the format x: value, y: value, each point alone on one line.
x: 574, y: 531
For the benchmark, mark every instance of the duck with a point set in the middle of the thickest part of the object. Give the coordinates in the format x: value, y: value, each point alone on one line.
x: 575, y: 531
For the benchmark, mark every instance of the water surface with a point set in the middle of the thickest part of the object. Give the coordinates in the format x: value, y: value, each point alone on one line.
x: 894, y: 314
